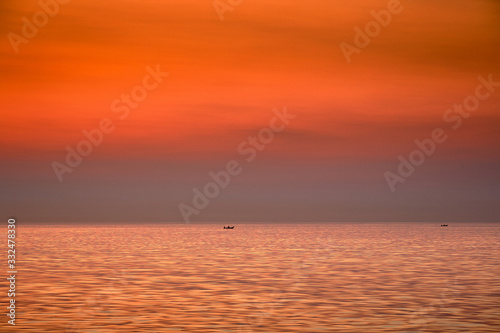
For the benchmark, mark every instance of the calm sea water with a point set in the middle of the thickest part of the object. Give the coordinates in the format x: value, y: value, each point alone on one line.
x: 374, y: 277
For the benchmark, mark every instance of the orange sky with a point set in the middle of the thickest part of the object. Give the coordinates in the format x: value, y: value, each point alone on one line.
x: 225, y: 77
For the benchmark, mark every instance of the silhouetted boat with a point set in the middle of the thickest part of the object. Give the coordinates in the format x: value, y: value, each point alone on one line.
x: 228, y: 227
x: 444, y: 225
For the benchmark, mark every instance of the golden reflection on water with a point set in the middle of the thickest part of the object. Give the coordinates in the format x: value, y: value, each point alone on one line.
x: 405, y: 277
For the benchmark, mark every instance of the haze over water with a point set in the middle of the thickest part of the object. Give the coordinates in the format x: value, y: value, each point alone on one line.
x: 366, y: 277
x: 228, y: 112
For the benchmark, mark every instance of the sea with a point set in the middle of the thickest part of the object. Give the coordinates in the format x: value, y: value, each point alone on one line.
x: 309, y: 277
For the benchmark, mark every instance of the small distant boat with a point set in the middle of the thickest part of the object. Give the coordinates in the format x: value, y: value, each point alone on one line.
x: 444, y: 225
x: 228, y: 227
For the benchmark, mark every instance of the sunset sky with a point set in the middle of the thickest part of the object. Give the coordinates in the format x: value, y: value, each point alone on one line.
x: 225, y: 79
